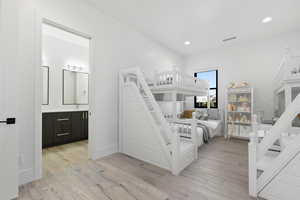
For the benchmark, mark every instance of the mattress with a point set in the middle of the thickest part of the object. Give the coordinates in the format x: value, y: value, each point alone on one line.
x: 214, y: 127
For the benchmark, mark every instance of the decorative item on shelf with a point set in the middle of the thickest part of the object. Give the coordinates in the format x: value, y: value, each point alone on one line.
x: 232, y: 129
x: 244, y: 119
x: 237, y: 118
x: 230, y: 119
x: 238, y: 84
x: 231, y: 107
x: 232, y: 98
x: 243, y: 98
x: 244, y: 107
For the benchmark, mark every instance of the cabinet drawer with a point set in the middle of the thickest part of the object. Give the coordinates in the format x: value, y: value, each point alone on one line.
x: 63, y: 128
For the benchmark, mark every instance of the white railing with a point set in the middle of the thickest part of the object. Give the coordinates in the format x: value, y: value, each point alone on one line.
x: 175, y: 78
x: 187, y: 130
x: 135, y: 75
x: 171, y: 138
x: 252, y: 158
x: 289, y: 69
x: 281, y: 126
x: 282, y: 160
x: 257, y: 149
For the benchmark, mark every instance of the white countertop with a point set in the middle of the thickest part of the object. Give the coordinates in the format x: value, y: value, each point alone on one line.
x: 64, y: 110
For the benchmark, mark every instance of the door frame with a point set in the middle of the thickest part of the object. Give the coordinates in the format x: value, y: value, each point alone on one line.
x: 40, y: 20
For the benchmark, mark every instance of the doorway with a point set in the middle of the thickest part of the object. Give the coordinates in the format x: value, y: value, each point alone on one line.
x: 64, y: 74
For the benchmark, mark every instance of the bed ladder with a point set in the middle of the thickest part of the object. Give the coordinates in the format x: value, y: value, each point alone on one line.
x: 178, y: 155
x: 272, y: 174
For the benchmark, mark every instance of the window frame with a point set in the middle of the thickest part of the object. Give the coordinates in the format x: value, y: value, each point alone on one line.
x: 216, y: 89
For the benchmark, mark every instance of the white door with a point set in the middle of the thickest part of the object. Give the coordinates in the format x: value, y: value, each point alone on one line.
x: 8, y: 98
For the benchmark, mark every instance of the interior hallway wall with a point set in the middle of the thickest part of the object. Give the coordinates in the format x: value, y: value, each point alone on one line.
x: 115, y: 46
x: 256, y: 62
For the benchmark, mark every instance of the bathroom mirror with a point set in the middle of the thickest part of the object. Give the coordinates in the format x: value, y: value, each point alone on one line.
x: 45, y: 84
x: 75, y: 88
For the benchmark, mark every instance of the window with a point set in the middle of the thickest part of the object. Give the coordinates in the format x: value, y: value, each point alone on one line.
x: 212, y: 76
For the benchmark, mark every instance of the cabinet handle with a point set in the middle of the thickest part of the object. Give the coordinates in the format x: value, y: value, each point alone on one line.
x: 83, y: 115
x: 87, y: 114
x: 64, y: 119
x: 62, y: 134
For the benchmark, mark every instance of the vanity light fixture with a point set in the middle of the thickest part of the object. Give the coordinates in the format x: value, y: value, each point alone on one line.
x: 73, y: 68
x: 266, y: 20
x: 187, y: 43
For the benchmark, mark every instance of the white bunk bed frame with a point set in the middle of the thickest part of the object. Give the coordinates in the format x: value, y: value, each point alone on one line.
x: 144, y: 133
x: 174, y: 81
x: 177, y: 83
x: 285, y: 81
x: 275, y: 175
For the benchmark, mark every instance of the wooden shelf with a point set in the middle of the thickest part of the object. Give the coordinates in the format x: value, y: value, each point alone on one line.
x: 235, y: 128
x: 239, y: 112
x: 240, y: 123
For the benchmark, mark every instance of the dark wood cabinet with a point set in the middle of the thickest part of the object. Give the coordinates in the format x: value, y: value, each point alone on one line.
x: 64, y: 127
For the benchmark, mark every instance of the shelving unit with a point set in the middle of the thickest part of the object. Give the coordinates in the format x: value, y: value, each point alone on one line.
x: 239, y: 111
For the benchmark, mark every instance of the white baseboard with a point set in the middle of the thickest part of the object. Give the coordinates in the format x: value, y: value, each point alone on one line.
x: 106, y: 151
x: 26, y: 176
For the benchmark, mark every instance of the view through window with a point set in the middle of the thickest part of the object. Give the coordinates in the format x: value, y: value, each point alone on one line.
x: 212, y: 77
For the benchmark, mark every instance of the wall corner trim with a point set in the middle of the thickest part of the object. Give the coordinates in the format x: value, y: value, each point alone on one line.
x: 26, y: 176
x: 106, y: 151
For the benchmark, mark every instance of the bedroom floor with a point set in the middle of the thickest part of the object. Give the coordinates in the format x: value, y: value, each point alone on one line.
x: 219, y: 174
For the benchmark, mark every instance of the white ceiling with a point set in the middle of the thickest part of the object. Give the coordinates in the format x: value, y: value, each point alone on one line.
x: 204, y: 22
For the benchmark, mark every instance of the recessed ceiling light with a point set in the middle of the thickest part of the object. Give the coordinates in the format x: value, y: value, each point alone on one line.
x: 187, y: 43
x: 267, y: 20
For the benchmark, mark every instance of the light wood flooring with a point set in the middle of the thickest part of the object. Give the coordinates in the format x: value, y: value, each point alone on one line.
x: 219, y: 174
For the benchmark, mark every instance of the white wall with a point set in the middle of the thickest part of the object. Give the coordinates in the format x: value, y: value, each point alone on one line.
x: 57, y: 53
x: 255, y: 62
x: 114, y: 45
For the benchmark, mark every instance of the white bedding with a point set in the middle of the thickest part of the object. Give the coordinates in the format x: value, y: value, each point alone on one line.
x: 214, y: 127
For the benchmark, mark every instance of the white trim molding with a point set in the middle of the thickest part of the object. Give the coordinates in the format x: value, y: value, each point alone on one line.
x: 106, y: 151
x: 26, y: 176
x: 37, y: 171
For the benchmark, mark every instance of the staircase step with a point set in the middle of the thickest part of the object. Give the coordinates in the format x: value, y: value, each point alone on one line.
x: 186, y: 146
x: 266, y: 161
x: 286, y: 140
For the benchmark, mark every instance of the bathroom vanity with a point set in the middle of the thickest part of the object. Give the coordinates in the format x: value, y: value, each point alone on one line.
x: 64, y: 127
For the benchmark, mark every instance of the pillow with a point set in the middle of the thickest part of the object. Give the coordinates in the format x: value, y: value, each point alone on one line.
x: 188, y: 114
x: 213, y: 114
x: 202, y: 114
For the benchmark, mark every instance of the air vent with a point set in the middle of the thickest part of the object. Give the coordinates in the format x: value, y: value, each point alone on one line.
x: 229, y: 39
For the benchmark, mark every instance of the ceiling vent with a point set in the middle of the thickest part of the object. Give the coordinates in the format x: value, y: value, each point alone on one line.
x: 229, y: 39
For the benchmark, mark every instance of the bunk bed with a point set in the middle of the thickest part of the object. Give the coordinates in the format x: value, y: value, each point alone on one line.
x: 287, y: 87
x: 273, y: 151
x: 144, y: 132
x: 170, y: 89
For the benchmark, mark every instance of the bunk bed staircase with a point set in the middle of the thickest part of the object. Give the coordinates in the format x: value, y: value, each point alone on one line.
x: 275, y: 175
x: 144, y: 133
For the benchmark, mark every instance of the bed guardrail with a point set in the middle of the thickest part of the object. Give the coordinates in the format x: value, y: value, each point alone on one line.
x: 174, y: 78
